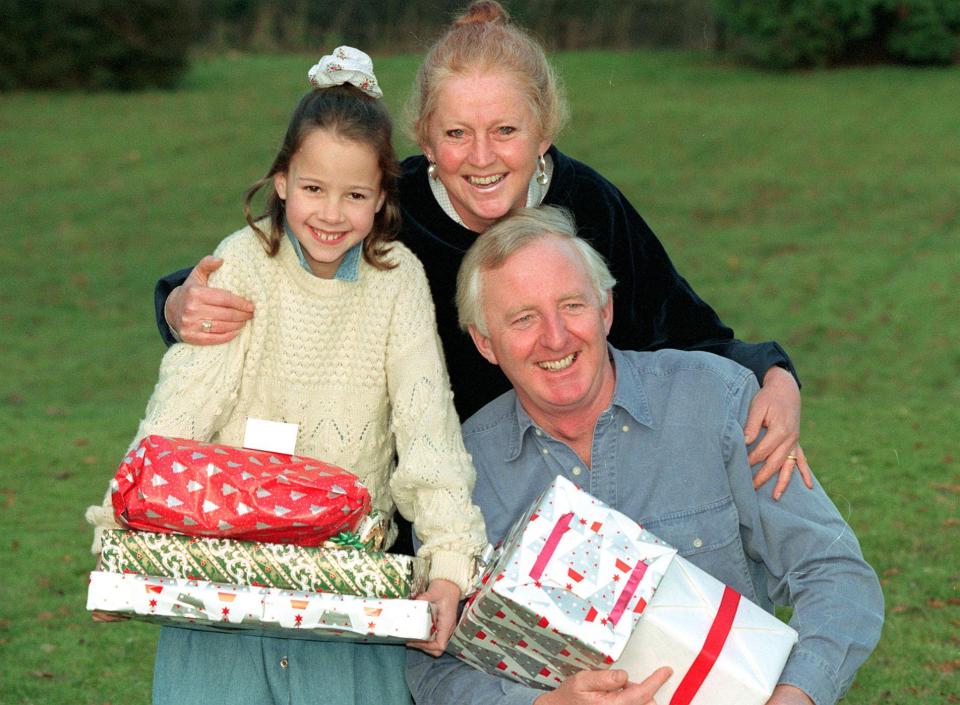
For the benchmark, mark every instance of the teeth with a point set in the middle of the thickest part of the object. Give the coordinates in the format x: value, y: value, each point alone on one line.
x: 485, y: 180
x: 325, y: 236
x: 560, y: 364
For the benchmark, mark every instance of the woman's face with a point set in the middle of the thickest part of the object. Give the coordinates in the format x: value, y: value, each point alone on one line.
x: 485, y: 142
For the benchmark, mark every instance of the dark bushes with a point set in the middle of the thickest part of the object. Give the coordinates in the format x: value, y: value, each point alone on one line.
x: 95, y: 44
x: 795, y: 33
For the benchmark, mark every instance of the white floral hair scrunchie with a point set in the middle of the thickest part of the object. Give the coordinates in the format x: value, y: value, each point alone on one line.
x: 346, y: 65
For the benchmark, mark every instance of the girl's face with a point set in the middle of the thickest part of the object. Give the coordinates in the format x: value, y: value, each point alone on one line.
x: 332, y: 192
x: 485, y: 142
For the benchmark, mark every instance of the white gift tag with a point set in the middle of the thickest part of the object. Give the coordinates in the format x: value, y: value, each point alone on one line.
x: 273, y: 436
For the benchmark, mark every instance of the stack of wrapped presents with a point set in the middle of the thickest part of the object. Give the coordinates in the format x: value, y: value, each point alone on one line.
x: 577, y: 585
x: 218, y: 537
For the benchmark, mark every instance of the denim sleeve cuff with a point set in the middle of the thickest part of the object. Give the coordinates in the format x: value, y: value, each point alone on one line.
x: 812, y: 675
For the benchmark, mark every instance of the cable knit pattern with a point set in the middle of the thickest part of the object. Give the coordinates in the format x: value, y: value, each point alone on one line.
x: 358, y: 365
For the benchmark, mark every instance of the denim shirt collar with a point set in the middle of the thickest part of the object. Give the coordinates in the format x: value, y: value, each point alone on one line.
x: 628, y: 394
x: 349, y: 268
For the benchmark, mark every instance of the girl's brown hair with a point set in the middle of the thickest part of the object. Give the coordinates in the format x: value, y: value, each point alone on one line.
x: 483, y: 38
x: 349, y: 113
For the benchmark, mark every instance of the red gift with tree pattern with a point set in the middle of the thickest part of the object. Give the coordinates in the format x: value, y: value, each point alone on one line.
x: 205, y: 489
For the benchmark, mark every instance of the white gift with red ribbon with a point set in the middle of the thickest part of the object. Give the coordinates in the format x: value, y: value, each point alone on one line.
x: 724, y: 649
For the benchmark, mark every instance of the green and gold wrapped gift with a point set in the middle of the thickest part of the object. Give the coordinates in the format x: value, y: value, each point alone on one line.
x: 342, y: 566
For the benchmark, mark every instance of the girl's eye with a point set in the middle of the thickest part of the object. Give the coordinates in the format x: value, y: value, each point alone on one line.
x: 310, y: 188
x: 355, y: 196
x: 455, y: 134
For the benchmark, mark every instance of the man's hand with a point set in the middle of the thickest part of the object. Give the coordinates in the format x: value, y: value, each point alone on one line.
x: 789, y: 695
x: 202, y: 315
x: 606, y: 688
x: 777, y: 408
x: 100, y: 616
x: 445, y: 596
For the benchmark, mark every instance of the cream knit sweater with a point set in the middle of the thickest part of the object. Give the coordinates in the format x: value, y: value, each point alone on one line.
x: 358, y: 365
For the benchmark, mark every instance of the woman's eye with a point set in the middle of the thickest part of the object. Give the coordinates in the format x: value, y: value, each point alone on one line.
x: 455, y: 134
x: 506, y: 130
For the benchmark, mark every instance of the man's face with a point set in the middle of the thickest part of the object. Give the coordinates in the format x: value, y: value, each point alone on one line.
x: 547, y: 330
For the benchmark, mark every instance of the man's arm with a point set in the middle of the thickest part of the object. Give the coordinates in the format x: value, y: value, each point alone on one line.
x: 446, y: 680
x: 813, y: 563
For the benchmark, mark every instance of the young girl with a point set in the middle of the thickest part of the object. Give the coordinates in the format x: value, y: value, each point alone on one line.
x: 344, y: 344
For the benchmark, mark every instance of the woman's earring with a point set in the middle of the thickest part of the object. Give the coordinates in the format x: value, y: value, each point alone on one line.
x: 542, y: 177
x: 432, y: 170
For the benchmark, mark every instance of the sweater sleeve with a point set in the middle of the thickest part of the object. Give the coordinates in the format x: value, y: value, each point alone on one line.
x: 196, y: 389
x: 160, y: 294
x: 434, y: 479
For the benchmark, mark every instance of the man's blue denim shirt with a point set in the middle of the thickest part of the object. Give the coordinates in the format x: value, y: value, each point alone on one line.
x: 669, y: 452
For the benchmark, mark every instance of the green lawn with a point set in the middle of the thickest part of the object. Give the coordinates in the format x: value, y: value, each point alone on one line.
x: 817, y: 209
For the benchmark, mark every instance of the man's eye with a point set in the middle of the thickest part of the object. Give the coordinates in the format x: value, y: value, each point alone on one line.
x: 456, y: 134
x: 506, y: 130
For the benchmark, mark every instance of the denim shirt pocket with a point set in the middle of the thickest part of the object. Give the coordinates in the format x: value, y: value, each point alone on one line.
x: 709, y: 537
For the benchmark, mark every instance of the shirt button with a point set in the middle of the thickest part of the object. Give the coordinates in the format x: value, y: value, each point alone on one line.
x: 538, y: 432
x: 624, y: 428
x: 284, y: 662
x: 544, y: 451
x: 576, y: 470
x: 697, y: 542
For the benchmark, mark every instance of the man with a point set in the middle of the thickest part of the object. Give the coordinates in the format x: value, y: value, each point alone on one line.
x: 656, y: 435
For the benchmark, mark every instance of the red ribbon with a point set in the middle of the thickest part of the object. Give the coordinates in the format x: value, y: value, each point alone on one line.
x: 553, y: 540
x: 712, y: 646
x: 628, y: 591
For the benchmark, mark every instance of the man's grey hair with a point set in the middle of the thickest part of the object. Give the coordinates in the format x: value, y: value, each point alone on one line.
x: 523, y: 227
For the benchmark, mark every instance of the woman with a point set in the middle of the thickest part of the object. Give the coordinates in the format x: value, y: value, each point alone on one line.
x: 486, y: 109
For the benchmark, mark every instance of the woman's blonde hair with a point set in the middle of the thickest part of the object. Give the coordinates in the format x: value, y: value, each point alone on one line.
x: 484, y: 39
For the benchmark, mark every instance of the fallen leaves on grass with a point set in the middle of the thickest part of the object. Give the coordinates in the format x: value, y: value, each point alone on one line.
x: 946, y: 666
x: 42, y: 674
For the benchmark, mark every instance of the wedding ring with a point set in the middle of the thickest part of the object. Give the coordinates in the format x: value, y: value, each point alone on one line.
x: 791, y: 457
x: 206, y: 326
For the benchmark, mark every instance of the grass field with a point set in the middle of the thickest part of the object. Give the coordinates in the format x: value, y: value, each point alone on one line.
x: 818, y: 209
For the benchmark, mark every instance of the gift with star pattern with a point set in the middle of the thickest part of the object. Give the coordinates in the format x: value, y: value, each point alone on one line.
x: 565, y: 592
x: 205, y: 489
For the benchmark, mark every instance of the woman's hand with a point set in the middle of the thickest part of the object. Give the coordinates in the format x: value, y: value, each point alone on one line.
x: 445, y: 596
x: 777, y: 408
x: 202, y: 315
